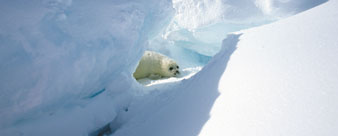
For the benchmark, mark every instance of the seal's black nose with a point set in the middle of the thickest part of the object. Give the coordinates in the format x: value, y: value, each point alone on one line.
x: 177, y: 72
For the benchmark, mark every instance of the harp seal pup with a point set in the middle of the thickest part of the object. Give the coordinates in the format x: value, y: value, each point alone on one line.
x: 154, y: 65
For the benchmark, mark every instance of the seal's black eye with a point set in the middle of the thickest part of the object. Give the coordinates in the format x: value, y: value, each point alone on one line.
x: 171, y: 68
x: 177, y: 67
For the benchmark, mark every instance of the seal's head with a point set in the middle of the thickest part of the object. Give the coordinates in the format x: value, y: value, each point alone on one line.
x: 171, y: 69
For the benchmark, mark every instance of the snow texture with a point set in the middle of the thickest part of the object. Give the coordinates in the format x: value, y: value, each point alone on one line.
x: 56, y: 55
x: 282, y: 79
x: 66, y: 67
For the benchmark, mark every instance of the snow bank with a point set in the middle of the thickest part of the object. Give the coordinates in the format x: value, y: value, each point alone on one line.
x: 56, y: 55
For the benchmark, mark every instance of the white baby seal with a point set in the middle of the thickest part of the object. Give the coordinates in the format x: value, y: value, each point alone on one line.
x: 155, y: 65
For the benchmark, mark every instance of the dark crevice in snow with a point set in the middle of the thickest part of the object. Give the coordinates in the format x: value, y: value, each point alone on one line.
x: 96, y: 93
x: 102, y: 131
x: 112, y: 126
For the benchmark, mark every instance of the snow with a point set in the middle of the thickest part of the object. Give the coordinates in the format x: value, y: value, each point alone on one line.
x: 57, y: 54
x: 66, y: 67
x: 186, y: 113
x: 281, y: 80
x: 198, y: 27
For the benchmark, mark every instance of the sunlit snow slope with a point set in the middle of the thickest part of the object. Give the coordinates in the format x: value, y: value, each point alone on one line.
x: 281, y: 80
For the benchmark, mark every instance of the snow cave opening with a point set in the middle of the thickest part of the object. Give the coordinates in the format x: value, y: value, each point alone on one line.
x: 195, y: 32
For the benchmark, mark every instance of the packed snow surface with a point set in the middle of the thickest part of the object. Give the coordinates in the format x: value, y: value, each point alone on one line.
x: 66, y: 67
